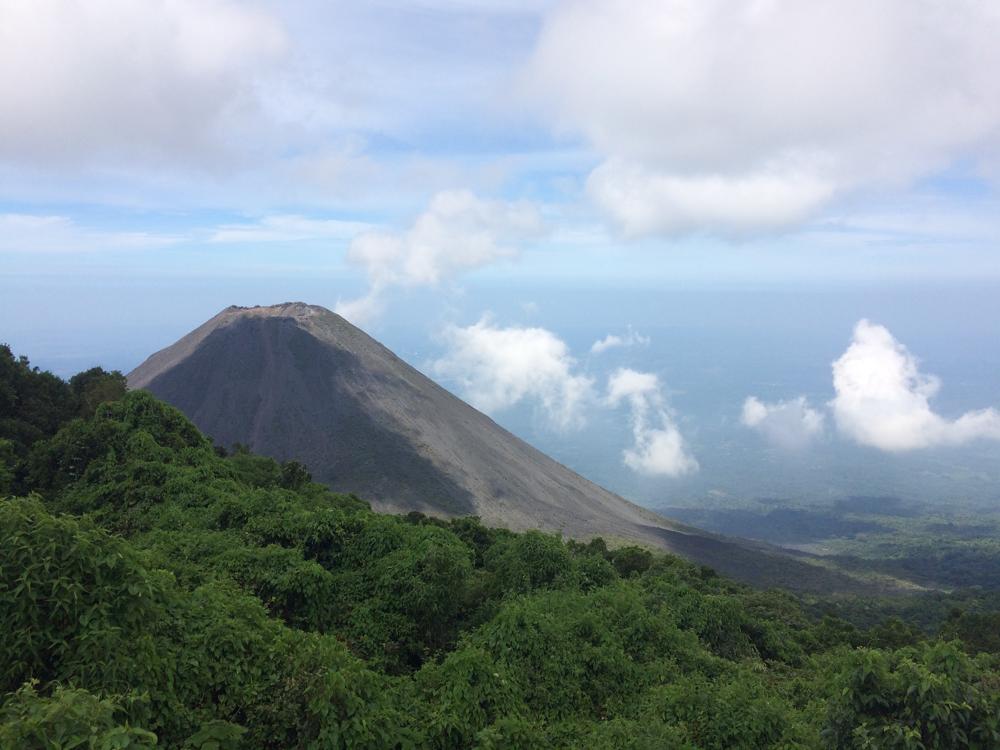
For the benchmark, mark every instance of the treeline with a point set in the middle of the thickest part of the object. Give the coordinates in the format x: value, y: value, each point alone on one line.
x: 35, y: 404
x: 157, y: 591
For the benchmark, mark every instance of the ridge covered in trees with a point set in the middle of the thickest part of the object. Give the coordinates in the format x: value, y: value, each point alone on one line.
x: 157, y: 591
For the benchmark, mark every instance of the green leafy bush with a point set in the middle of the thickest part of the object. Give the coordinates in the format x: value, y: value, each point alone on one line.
x: 69, y: 718
x: 931, y: 696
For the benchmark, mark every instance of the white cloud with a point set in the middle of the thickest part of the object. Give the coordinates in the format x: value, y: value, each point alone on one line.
x: 612, y: 341
x: 659, y: 447
x: 160, y: 79
x: 496, y: 368
x: 883, y: 400
x: 790, y: 424
x: 646, y: 201
x: 288, y: 228
x: 458, y: 232
x: 747, y: 116
x: 258, y: 106
x: 32, y: 233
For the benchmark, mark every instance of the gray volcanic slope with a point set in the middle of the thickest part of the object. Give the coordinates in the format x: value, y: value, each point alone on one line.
x: 296, y: 381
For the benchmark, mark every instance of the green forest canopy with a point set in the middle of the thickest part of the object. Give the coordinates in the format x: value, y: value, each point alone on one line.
x: 157, y: 591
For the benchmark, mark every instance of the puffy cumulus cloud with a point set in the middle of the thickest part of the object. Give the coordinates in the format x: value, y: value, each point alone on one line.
x: 496, y: 368
x: 82, y: 80
x: 744, y: 116
x: 637, y: 387
x: 789, y: 424
x: 458, y: 232
x: 658, y: 447
x: 883, y: 400
x: 612, y: 341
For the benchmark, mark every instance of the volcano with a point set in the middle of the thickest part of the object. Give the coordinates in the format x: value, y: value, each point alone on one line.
x: 299, y: 382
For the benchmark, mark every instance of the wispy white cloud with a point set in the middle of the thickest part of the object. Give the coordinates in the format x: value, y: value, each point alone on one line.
x: 790, y: 424
x: 883, y: 399
x: 749, y: 116
x: 458, y: 232
x: 612, y: 341
x: 54, y: 233
x: 31, y: 233
x: 917, y: 220
x: 288, y: 228
x: 496, y: 368
x: 658, y: 447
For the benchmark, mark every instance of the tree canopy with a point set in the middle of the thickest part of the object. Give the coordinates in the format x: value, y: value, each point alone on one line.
x: 155, y: 591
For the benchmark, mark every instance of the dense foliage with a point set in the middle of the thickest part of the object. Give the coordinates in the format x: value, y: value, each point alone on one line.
x: 157, y: 591
x: 35, y: 404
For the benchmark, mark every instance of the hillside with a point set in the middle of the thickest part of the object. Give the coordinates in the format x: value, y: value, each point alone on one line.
x: 143, y: 561
x: 298, y: 382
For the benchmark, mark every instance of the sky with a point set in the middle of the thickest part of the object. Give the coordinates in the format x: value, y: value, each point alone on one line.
x: 161, y: 160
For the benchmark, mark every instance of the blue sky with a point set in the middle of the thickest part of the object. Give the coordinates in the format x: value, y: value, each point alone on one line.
x: 159, y: 161
x: 758, y: 140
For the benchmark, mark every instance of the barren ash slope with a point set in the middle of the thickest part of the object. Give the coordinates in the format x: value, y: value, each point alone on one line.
x: 296, y: 381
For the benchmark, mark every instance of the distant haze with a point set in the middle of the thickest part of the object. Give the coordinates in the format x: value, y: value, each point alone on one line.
x: 710, y: 349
